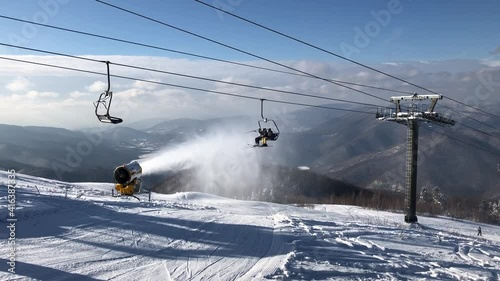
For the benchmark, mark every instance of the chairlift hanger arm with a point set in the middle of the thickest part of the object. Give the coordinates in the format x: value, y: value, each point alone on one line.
x: 109, y: 77
x: 262, y: 109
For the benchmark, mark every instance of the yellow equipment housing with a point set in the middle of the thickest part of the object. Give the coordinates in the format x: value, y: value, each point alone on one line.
x: 128, y: 178
x: 129, y: 189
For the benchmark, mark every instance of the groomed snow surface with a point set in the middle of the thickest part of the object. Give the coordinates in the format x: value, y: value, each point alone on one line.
x: 79, y: 232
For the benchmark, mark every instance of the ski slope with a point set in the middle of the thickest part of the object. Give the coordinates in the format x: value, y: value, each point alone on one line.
x: 77, y: 231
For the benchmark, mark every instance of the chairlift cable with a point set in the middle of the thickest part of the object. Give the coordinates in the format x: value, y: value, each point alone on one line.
x: 463, y: 142
x: 237, y: 49
x: 472, y: 118
x: 336, y: 55
x: 477, y: 130
x: 220, y: 93
x: 184, y: 87
x: 193, y: 76
x: 475, y: 108
x: 194, y: 55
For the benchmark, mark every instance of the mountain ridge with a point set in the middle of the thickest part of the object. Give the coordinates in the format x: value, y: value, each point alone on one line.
x: 350, y: 147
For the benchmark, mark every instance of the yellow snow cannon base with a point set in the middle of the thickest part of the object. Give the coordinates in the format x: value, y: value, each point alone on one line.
x: 125, y: 190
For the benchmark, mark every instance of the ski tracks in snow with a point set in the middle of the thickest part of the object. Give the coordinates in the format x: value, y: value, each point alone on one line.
x: 377, y: 252
x: 204, y: 237
x: 273, y: 259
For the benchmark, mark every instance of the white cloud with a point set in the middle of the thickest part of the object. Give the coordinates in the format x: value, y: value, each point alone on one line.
x: 98, y: 87
x: 19, y: 84
x: 492, y: 63
x: 54, y: 96
x: 131, y: 93
x: 391, y: 63
x: 363, y: 74
x: 74, y: 102
x: 323, y: 89
x: 145, y: 85
x: 46, y: 94
x: 78, y: 94
x: 413, y: 72
x: 49, y: 94
x: 32, y: 95
x: 168, y: 93
x: 466, y: 78
x: 233, y: 79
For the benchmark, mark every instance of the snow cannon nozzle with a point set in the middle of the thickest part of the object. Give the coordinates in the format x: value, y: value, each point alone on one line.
x: 122, y: 175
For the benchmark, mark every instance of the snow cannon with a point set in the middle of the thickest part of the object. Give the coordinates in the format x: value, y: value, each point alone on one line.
x: 128, y: 178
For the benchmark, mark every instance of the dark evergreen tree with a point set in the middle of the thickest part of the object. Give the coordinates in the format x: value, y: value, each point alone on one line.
x: 438, y: 197
x: 424, y: 195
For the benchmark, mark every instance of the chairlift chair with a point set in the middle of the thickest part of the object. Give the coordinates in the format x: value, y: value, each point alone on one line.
x: 103, y: 104
x: 262, y: 123
x: 276, y: 130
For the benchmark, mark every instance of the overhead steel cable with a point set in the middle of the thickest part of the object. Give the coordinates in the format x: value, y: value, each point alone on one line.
x: 219, y: 93
x: 477, y: 130
x: 195, y: 55
x: 336, y: 55
x: 182, y: 86
x: 472, y: 118
x: 167, y: 84
x: 134, y: 43
x: 237, y: 49
x: 469, y: 144
x: 192, y: 76
x: 480, y: 110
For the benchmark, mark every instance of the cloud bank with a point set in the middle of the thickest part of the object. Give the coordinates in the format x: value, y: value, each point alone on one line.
x: 51, y: 97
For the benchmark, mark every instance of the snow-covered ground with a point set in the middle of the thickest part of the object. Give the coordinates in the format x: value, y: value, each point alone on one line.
x: 77, y: 231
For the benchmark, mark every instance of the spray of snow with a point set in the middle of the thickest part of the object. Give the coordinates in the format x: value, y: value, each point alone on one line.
x: 219, y: 159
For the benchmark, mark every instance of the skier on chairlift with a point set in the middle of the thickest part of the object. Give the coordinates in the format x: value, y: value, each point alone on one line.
x: 266, y: 134
x: 270, y: 134
x: 263, y: 134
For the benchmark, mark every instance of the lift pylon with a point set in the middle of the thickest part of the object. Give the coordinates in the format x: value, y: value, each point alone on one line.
x: 412, y: 117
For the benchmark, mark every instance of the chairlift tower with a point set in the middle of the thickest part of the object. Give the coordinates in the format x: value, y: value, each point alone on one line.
x: 412, y: 117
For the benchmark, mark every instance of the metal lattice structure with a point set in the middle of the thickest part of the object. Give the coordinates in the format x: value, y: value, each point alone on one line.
x: 412, y: 117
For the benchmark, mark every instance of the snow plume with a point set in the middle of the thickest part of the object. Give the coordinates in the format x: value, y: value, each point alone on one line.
x: 221, y: 161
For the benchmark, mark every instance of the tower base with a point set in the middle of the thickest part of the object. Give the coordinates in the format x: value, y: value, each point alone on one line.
x: 411, y: 219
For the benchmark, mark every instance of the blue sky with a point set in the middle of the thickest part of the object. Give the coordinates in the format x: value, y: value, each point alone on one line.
x: 442, y: 45
x: 421, y: 30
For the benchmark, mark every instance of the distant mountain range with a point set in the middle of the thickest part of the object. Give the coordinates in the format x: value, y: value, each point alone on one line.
x: 370, y: 153
x: 349, y: 147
